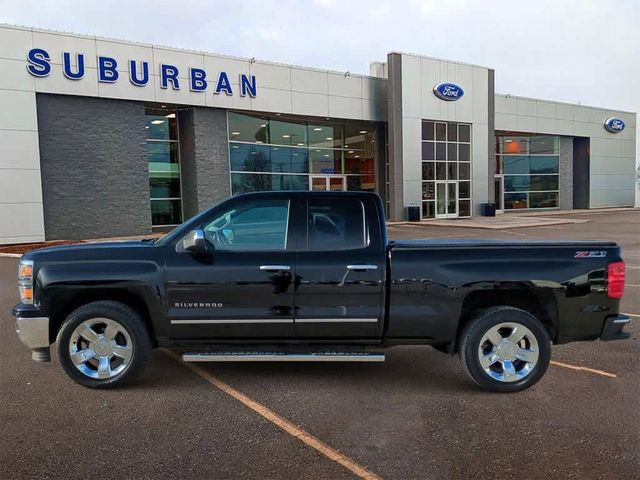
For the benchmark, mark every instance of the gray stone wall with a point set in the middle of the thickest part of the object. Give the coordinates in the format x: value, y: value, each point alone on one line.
x: 204, y: 157
x: 566, y: 173
x: 394, y: 109
x: 95, y: 178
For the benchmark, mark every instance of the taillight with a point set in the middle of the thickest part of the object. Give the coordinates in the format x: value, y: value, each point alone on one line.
x: 615, y: 280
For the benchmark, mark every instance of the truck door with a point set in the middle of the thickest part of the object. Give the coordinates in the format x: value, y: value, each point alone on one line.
x: 244, y: 288
x: 340, y: 269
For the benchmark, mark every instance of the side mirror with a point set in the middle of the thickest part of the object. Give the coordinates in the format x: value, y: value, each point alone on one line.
x: 195, y: 242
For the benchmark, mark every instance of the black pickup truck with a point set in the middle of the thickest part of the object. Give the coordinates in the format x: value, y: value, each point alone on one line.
x: 310, y: 276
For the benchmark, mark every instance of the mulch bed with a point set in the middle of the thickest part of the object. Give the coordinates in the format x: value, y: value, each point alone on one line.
x: 25, y: 247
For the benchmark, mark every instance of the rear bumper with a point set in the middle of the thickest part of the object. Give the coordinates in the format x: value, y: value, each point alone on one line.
x: 614, y: 327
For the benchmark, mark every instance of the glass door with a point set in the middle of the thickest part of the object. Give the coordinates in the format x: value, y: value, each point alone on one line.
x: 335, y: 183
x: 447, y: 199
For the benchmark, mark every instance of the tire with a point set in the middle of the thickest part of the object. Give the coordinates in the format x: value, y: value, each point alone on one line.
x: 104, y: 344
x: 493, y: 358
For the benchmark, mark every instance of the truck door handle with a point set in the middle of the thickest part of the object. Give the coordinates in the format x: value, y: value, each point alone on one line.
x: 361, y: 268
x: 275, y: 268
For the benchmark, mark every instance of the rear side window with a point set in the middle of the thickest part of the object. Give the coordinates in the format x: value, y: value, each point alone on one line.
x: 336, y: 224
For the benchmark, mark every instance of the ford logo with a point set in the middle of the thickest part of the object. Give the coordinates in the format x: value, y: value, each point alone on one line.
x: 448, y: 91
x: 614, y: 125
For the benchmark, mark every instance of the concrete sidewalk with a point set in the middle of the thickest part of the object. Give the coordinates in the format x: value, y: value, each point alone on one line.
x: 499, y: 222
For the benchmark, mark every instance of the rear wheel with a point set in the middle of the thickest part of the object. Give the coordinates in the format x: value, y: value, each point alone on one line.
x: 505, y: 349
x: 103, y: 344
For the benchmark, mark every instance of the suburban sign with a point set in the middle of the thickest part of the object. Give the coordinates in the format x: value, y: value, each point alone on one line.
x: 448, y: 91
x: 73, y: 68
x: 614, y: 125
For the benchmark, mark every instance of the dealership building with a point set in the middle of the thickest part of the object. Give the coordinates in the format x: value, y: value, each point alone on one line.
x: 104, y: 138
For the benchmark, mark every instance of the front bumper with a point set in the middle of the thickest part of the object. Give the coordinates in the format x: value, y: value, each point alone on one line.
x: 33, y: 332
x: 614, y: 327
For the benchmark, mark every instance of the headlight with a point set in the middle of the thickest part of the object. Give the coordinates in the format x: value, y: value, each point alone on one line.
x: 25, y: 281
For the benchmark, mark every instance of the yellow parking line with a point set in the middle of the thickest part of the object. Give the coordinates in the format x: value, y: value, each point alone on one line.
x: 632, y: 315
x: 280, y: 422
x: 584, y: 369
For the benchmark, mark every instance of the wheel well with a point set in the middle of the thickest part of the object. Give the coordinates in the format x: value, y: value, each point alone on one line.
x: 541, y: 303
x: 60, y: 309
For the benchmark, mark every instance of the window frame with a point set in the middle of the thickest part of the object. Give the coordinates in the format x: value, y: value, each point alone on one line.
x: 365, y: 229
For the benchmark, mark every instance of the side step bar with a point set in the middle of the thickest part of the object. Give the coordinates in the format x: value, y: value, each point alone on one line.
x: 283, y: 357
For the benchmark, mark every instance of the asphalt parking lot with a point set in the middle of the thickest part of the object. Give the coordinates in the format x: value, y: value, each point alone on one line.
x: 414, y: 416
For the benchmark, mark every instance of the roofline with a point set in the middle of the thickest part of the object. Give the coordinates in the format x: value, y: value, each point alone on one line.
x: 184, y: 50
x: 508, y: 95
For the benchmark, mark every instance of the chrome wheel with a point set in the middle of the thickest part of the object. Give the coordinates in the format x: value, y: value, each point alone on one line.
x: 100, y: 348
x: 508, y: 352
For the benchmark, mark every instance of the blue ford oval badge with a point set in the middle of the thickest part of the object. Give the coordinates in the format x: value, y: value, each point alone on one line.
x: 448, y: 91
x: 614, y: 125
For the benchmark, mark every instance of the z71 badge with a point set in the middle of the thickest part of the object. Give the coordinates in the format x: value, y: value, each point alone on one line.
x: 591, y: 254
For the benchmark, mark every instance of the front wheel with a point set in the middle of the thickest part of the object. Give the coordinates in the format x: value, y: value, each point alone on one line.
x: 103, y: 344
x: 505, y: 349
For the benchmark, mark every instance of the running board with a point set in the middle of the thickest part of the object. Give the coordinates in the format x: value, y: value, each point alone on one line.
x: 283, y: 357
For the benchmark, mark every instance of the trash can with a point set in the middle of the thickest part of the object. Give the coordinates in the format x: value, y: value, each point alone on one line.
x: 488, y: 209
x: 413, y: 213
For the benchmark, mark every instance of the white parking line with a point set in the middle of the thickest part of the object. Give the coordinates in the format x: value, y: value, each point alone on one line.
x: 632, y: 285
x: 632, y: 314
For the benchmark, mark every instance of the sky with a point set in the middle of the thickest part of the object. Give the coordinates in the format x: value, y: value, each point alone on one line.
x: 580, y: 51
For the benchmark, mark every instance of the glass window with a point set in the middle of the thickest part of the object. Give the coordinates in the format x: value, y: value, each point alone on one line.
x: 465, y: 208
x: 160, y: 125
x: 544, y: 182
x: 166, y: 212
x: 441, y: 171
x: 247, y: 128
x: 254, y: 226
x: 428, y: 151
x: 441, y: 151
x: 515, y: 200
x: 464, y: 171
x: 465, y: 189
x: 327, y: 135
x: 250, y: 157
x: 281, y: 147
x: 164, y: 184
x: 546, y: 144
x: 441, y: 132
x: 545, y: 164
x: 514, y: 165
x: 163, y: 161
x: 516, y: 183
x: 514, y: 145
x: 288, y: 133
x: 452, y: 171
x: 250, y: 182
x: 356, y: 162
x: 289, y: 160
x: 464, y: 152
x: 325, y: 161
x: 358, y: 137
x: 452, y: 132
x: 335, y: 224
x: 428, y: 209
x: 464, y: 133
x: 452, y: 152
x: 428, y: 170
x: 428, y: 190
x: 543, y: 200
x: 428, y: 131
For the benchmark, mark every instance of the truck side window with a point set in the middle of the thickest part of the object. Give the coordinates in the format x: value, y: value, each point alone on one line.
x: 335, y: 224
x: 252, y: 226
